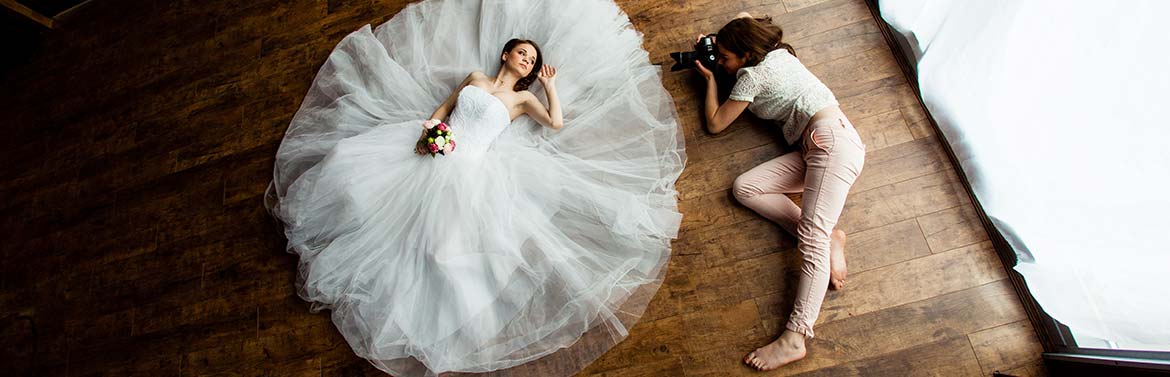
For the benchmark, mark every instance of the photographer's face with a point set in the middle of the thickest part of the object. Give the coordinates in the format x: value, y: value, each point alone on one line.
x: 727, y: 60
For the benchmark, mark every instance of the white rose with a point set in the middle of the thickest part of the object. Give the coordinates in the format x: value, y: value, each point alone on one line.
x: 440, y: 141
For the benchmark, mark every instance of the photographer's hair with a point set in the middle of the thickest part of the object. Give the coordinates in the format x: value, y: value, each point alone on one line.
x: 752, y: 38
x: 525, y: 81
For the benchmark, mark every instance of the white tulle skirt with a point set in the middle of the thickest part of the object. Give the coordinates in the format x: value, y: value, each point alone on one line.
x: 547, y: 246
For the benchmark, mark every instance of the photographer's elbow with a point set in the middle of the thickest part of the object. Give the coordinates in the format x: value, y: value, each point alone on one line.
x: 713, y: 128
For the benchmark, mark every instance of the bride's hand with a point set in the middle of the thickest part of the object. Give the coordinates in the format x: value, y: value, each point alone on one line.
x: 420, y: 147
x: 547, y: 74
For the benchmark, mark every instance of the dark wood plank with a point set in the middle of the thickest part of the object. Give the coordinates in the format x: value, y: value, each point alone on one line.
x: 1007, y: 347
x: 949, y: 357
x: 884, y: 246
x: 952, y: 227
x: 907, y: 326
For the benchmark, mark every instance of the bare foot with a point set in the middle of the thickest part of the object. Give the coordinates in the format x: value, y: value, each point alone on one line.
x: 787, y: 348
x: 837, y: 268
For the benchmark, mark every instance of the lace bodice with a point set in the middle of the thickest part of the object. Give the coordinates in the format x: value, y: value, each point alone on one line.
x: 478, y: 118
x: 780, y: 88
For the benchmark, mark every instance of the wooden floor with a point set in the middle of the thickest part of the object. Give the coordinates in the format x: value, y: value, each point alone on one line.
x: 137, y: 147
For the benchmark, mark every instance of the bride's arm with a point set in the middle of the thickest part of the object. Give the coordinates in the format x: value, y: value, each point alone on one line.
x: 550, y: 117
x: 442, y: 112
x: 445, y: 109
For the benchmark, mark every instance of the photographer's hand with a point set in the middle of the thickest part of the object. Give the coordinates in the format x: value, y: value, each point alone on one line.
x: 707, y: 74
x: 703, y: 70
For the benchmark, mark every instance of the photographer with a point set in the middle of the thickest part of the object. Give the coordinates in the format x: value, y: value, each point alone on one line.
x: 774, y: 85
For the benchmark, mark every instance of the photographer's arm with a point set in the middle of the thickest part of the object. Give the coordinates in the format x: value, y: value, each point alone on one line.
x: 718, y: 116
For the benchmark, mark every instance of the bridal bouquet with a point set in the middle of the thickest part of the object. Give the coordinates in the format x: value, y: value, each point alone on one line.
x: 436, y: 139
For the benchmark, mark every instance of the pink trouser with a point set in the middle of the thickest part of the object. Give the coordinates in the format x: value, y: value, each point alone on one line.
x: 830, y: 159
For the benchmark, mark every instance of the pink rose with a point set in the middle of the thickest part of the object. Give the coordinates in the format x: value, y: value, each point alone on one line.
x: 431, y: 123
x: 434, y: 148
x: 448, y: 148
x: 451, y: 144
x: 442, y: 126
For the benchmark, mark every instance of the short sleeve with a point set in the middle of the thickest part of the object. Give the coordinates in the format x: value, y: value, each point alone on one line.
x: 746, y: 86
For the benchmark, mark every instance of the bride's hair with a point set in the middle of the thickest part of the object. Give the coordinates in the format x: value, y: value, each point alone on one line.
x: 752, y: 38
x: 525, y: 81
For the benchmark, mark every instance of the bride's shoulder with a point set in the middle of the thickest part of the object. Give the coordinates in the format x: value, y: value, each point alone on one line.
x: 525, y: 96
x: 472, y: 78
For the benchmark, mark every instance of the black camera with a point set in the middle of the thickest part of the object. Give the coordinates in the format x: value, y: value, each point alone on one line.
x: 704, y: 53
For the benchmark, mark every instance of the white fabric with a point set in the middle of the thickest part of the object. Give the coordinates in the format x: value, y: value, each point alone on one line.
x: 520, y: 241
x: 1058, y: 114
x: 781, y: 89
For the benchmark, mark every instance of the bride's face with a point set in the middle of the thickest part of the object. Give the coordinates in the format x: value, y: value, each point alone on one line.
x: 521, y: 59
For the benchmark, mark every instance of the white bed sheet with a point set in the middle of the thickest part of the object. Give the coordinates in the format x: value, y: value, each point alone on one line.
x: 1059, y: 113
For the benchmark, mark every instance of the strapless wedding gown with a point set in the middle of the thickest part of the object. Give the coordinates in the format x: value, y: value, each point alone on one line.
x: 522, y: 244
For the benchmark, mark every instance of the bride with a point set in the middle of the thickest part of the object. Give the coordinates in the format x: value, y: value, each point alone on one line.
x: 521, y: 64
x: 525, y: 242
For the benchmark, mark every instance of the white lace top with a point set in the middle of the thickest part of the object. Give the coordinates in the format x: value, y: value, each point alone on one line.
x: 780, y: 88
